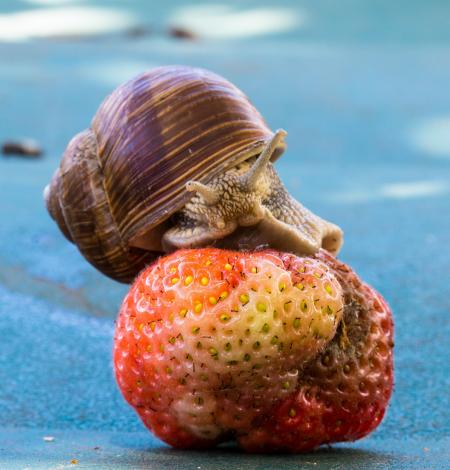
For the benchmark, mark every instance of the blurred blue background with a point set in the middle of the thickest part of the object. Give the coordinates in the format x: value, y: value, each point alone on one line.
x: 362, y: 87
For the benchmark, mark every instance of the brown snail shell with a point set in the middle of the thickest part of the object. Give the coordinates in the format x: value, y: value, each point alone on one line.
x: 126, y: 175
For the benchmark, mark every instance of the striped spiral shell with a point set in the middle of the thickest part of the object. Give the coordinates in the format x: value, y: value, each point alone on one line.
x: 125, y: 176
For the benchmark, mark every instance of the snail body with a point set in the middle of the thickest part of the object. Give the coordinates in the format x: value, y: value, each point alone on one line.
x: 177, y: 157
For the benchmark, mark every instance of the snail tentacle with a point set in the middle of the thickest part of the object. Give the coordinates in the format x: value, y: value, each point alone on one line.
x: 209, y: 194
x: 250, y: 179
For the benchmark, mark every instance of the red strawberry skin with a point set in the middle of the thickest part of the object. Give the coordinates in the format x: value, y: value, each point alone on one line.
x: 297, y: 353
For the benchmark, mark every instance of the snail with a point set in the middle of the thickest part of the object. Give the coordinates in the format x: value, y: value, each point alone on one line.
x: 177, y: 157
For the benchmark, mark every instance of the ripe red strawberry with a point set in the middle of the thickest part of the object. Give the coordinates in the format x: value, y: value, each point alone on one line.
x: 213, y: 344
x: 209, y: 340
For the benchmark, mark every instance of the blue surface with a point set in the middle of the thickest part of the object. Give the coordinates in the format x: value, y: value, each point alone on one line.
x: 95, y: 450
x: 362, y: 91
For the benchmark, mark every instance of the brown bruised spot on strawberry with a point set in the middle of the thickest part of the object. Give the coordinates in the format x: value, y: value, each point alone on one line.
x: 213, y: 344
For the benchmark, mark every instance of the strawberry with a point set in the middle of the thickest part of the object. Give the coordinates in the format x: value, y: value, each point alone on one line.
x: 209, y: 340
x: 213, y: 344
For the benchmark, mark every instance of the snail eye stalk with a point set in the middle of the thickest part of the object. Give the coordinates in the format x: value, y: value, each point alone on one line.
x: 210, y: 196
x: 250, y: 179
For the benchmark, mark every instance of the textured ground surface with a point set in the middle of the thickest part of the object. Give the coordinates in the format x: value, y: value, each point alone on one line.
x: 363, y: 93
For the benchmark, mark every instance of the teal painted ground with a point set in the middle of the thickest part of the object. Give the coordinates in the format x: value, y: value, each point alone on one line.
x: 363, y: 90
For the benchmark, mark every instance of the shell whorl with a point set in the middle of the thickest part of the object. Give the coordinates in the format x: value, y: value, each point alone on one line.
x: 173, y: 124
x: 77, y: 200
x: 51, y: 197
